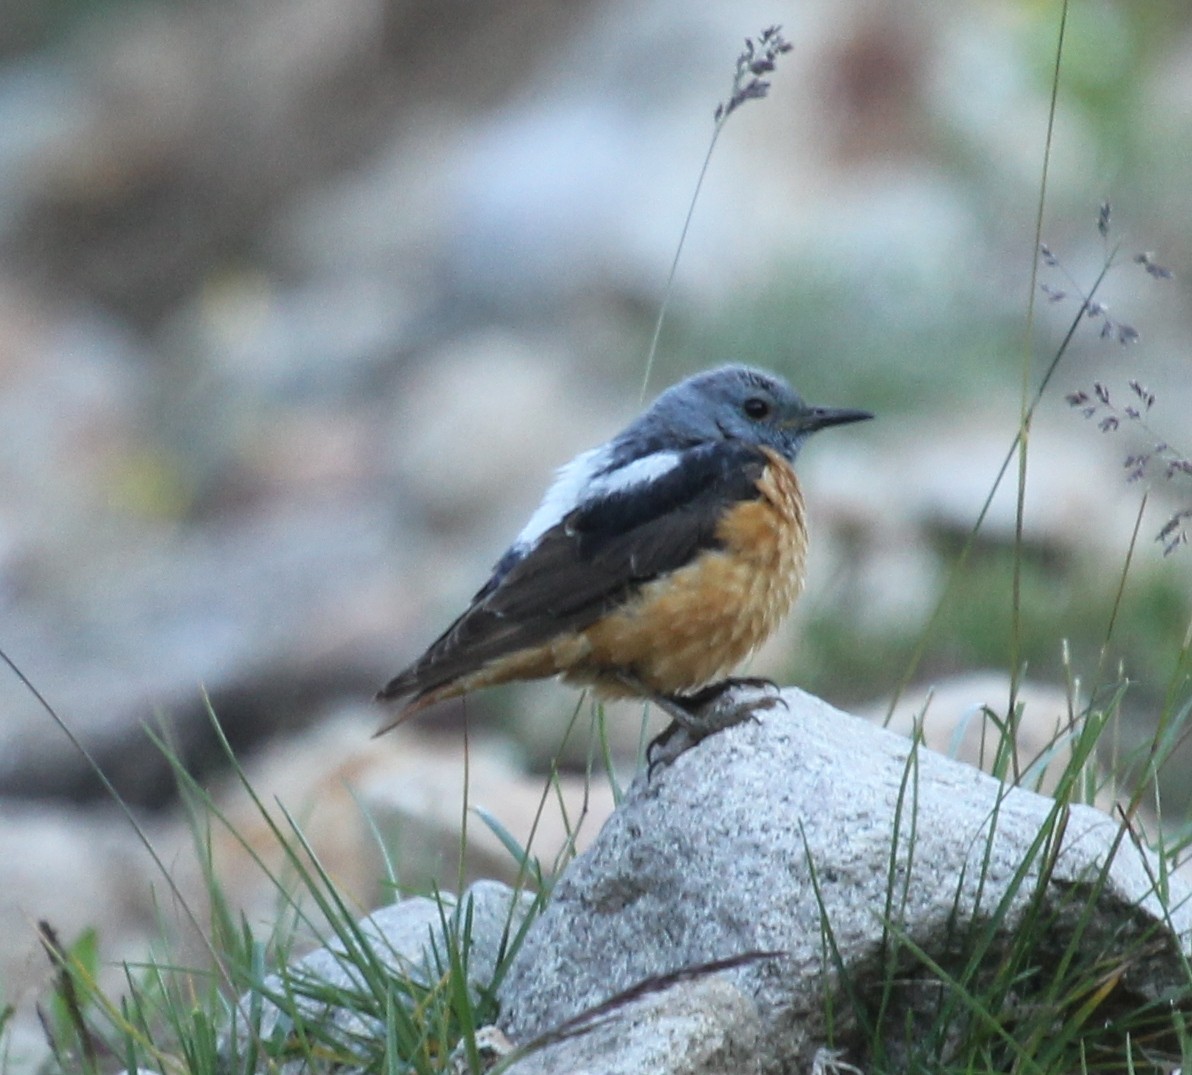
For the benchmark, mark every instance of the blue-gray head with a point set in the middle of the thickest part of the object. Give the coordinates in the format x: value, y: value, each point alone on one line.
x: 733, y: 403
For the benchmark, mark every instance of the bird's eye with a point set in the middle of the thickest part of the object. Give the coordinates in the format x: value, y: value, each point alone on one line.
x: 756, y: 408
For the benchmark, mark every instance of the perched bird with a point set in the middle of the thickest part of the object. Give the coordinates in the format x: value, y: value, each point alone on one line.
x: 655, y: 563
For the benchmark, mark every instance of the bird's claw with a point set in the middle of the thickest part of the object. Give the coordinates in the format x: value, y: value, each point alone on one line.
x: 696, y: 716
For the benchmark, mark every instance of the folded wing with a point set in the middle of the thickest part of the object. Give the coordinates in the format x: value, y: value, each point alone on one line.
x: 589, y: 563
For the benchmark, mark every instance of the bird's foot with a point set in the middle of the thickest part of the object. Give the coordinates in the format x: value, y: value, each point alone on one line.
x: 707, y: 696
x: 705, y: 712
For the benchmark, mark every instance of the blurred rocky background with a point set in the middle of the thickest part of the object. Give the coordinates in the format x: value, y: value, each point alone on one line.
x: 301, y: 301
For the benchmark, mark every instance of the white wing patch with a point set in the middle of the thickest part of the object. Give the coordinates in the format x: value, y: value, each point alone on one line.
x: 576, y: 482
x: 640, y: 471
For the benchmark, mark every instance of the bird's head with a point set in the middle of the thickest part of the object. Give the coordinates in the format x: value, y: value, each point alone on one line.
x: 741, y: 403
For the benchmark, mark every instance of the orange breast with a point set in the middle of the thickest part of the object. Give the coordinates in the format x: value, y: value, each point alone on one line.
x: 696, y: 624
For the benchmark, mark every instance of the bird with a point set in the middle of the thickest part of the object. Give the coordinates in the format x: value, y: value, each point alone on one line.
x: 656, y: 562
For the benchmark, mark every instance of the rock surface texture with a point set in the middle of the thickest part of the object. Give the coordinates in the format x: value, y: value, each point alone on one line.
x: 705, y: 1027
x: 757, y: 836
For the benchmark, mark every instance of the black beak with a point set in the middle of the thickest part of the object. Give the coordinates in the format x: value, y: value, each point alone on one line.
x: 821, y: 417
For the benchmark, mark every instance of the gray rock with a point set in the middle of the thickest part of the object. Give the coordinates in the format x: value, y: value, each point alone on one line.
x: 705, y: 1027
x: 714, y: 857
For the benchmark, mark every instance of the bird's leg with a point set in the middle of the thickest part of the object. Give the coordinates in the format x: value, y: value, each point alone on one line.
x: 700, y: 714
x: 707, y: 695
x: 711, y: 709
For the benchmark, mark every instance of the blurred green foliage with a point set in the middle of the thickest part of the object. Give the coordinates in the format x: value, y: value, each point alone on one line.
x: 1064, y: 600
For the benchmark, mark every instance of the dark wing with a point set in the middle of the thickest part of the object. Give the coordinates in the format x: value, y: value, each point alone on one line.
x: 591, y: 562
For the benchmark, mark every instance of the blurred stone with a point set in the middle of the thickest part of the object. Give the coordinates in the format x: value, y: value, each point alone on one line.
x: 130, y: 209
x: 487, y: 422
x: 326, y: 341
x: 546, y: 193
x: 286, y: 607
x: 1072, y: 478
